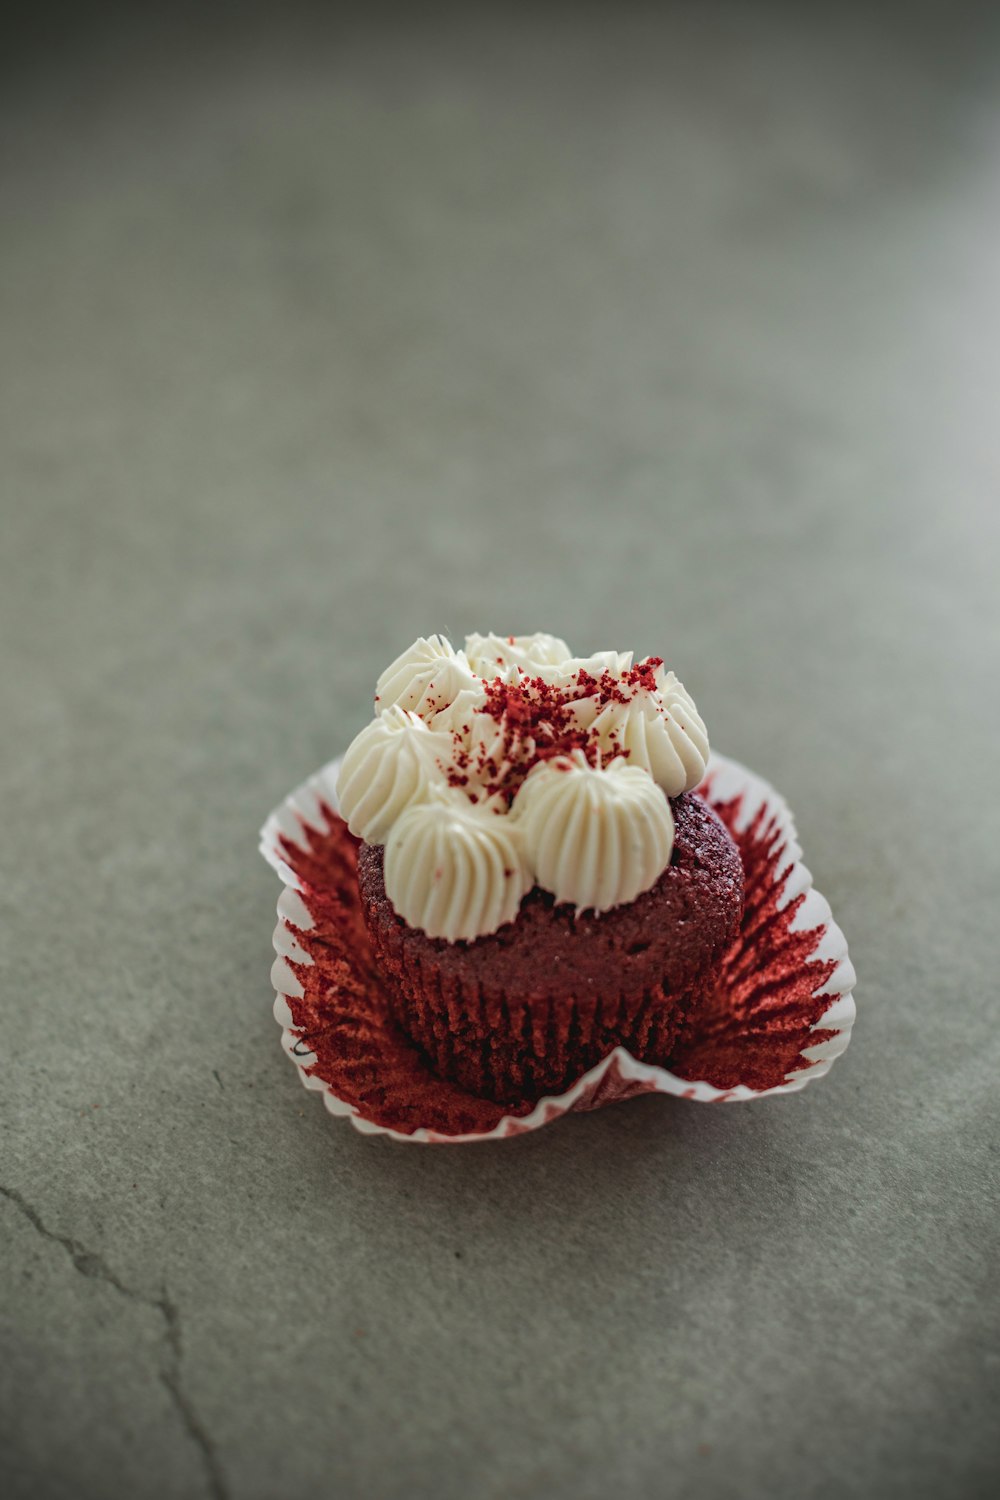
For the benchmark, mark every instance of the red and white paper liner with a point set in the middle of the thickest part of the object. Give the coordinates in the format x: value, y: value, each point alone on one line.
x: 782, y: 1011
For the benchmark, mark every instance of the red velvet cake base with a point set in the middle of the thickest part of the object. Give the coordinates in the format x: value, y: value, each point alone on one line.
x: 749, y: 1034
x: 528, y: 1009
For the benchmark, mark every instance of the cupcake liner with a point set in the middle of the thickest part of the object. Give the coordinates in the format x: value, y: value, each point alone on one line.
x: 781, y: 1013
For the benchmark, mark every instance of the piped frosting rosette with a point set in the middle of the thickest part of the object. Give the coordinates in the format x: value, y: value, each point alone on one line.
x: 511, y: 763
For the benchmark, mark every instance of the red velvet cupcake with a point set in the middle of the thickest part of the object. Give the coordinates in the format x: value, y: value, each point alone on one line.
x: 539, y: 882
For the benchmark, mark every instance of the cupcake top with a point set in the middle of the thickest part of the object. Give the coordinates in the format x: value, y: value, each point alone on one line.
x: 512, y: 763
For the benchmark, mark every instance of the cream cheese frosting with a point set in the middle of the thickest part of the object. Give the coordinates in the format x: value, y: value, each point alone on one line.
x: 426, y: 678
x: 597, y: 836
x: 490, y: 654
x: 455, y: 870
x: 392, y: 763
x: 511, y: 763
x: 662, y: 732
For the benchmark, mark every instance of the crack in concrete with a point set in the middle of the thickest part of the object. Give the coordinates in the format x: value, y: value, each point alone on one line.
x: 96, y: 1268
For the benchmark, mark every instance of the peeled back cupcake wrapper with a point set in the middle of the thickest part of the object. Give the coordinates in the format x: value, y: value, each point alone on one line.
x: 782, y: 1012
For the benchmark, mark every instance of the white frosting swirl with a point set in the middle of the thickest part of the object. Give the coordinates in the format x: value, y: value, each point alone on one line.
x: 461, y: 714
x: 455, y: 870
x: 663, y: 733
x: 688, y: 728
x: 426, y: 678
x: 495, y: 655
x: 391, y: 764
x: 565, y: 673
x: 595, y: 837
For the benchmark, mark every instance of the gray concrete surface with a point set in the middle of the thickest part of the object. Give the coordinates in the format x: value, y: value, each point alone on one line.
x: 676, y: 330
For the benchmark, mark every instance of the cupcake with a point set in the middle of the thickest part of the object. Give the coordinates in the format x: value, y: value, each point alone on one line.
x: 539, y: 880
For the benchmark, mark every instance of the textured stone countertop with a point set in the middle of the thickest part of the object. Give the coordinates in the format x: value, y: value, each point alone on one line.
x: 671, y: 329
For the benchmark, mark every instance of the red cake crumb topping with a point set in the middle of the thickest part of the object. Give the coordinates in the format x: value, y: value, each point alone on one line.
x: 537, y: 722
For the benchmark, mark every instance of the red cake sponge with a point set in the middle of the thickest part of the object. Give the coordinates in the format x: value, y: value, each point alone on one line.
x: 527, y: 1009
